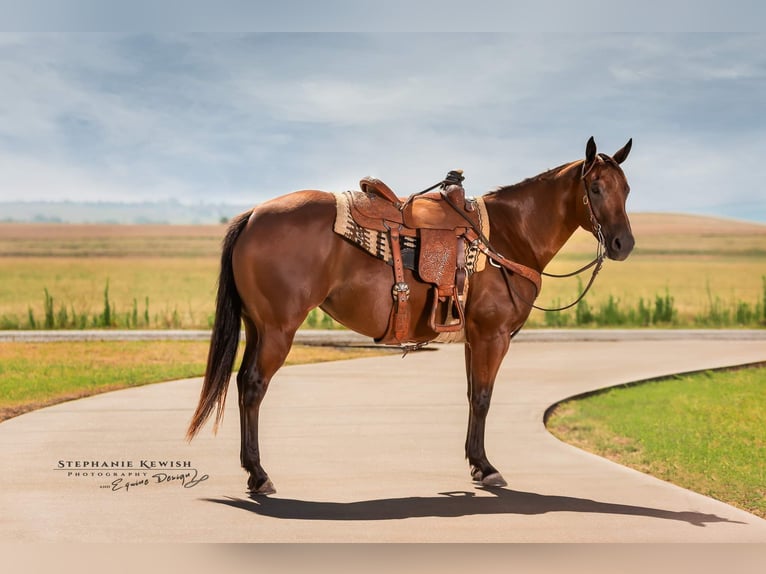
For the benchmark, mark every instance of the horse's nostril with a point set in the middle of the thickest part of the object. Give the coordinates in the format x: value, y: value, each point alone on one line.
x: 621, y: 246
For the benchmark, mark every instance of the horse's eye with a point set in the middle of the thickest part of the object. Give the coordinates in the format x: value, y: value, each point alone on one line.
x: 595, y: 188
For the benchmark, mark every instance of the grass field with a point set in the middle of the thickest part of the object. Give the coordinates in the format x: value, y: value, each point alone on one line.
x: 33, y: 375
x: 705, y: 432
x: 172, y: 268
x: 165, y: 276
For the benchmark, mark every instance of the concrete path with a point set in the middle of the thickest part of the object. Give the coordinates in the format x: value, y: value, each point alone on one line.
x: 369, y: 450
x: 345, y: 337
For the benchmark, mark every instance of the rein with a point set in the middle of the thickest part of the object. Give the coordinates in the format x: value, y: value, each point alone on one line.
x: 598, y: 262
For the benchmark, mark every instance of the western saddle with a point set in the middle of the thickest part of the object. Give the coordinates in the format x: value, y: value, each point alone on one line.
x: 442, y: 221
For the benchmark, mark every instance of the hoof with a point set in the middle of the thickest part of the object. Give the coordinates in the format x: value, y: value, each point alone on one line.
x: 494, y: 479
x: 267, y: 487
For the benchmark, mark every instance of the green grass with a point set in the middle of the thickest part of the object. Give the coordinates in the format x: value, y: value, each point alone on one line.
x: 705, y: 432
x: 39, y: 374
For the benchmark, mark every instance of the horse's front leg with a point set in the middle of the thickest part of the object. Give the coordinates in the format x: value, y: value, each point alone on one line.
x: 483, y: 359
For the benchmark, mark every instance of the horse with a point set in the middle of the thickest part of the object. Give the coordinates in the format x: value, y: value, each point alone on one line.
x: 282, y: 259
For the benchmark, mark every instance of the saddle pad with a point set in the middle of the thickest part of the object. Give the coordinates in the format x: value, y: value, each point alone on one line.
x: 376, y: 243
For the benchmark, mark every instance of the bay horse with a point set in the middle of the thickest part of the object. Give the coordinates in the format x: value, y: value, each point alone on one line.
x: 282, y: 259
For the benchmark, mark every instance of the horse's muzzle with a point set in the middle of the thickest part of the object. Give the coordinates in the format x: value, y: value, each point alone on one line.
x: 619, y: 246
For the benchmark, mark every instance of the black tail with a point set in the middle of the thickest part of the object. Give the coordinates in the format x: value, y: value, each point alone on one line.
x: 225, y: 338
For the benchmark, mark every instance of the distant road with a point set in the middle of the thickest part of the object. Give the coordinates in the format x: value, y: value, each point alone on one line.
x: 342, y: 337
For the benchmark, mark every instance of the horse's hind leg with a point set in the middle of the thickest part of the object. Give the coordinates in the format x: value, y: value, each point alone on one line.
x: 265, y: 353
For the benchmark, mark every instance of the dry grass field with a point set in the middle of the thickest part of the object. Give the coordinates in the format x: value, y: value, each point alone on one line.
x: 699, y: 261
x: 62, y: 240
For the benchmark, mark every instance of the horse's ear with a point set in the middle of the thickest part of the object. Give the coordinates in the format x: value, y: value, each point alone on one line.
x: 622, y: 154
x: 590, y: 153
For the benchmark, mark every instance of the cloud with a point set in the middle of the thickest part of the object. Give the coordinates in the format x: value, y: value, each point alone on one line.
x: 32, y: 179
x: 225, y: 117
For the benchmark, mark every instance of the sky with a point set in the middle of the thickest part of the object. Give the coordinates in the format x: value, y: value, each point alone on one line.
x: 240, y: 118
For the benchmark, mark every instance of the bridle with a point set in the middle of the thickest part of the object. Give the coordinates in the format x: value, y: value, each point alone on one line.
x: 594, y: 224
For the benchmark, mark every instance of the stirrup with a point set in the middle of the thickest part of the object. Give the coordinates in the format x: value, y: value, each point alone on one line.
x: 452, y: 303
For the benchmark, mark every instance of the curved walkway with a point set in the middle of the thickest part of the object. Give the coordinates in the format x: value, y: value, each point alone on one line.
x: 367, y: 450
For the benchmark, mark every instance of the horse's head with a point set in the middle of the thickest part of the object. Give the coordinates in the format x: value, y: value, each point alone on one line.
x: 606, y: 190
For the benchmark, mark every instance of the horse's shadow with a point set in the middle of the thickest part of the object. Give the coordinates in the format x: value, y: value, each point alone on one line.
x: 452, y: 505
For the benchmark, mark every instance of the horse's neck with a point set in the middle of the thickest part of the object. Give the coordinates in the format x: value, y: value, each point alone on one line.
x: 535, y: 218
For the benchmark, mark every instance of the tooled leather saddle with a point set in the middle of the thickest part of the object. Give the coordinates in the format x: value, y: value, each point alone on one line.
x: 440, y: 222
